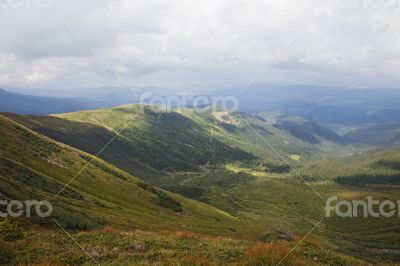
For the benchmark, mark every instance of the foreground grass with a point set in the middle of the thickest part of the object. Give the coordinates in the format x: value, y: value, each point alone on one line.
x: 110, y: 246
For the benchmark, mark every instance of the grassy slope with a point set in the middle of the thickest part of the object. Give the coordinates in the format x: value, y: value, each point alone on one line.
x: 288, y: 135
x: 109, y: 246
x: 378, y: 136
x: 367, y: 167
x: 269, y: 201
x: 35, y: 167
x: 153, y: 144
x: 257, y: 192
x: 156, y: 143
x: 239, y: 194
x: 355, y: 177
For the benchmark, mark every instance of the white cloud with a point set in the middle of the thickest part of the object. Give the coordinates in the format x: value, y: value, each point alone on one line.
x: 143, y: 40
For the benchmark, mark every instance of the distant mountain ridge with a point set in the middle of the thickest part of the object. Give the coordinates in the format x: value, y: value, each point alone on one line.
x: 40, y: 105
x: 328, y: 106
x: 323, y: 104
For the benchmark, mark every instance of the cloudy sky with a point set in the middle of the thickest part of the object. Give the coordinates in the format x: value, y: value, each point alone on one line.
x: 195, y: 44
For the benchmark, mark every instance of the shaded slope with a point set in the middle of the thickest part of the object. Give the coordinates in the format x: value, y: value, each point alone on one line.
x: 308, y: 131
x: 360, y: 169
x: 383, y: 135
x: 287, y: 134
x: 153, y: 144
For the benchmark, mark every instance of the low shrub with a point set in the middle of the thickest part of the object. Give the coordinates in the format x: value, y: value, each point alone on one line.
x: 196, y: 261
x: 10, y: 230
x: 262, y: 254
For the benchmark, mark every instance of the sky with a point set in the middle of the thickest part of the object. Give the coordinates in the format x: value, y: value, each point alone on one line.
x: 199, y: 44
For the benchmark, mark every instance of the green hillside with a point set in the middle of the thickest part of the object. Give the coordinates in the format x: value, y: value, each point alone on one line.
x: 35, y: 167
x: 222, y: 181
x: 153, y: 144
x: 378, y: 136
x: 157, y: 143
x: 305, y: 130
x: 357, y: 176
x: 110, y: 246
x: 290, y: 135
x: 359, y: 169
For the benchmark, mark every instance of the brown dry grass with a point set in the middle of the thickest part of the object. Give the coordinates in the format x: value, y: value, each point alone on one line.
x: 271, y: 254
x: 44, y: 263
